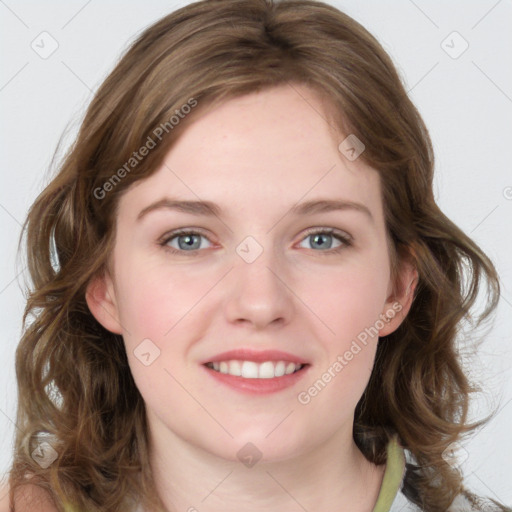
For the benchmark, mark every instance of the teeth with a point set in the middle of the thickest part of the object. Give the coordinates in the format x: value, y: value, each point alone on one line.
x: 253, y: 370
x: 235, y: 368
x: 280, y: 369
x: 266, y: 370
x: 250, y: 370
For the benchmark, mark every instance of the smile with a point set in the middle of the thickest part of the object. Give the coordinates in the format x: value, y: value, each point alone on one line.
x: 256, y: 378
x: 254, y: 370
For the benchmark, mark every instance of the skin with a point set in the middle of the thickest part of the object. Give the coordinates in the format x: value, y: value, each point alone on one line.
x: 256, y: 157
x: 27, y: 498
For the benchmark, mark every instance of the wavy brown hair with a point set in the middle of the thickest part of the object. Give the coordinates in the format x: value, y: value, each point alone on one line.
x: 73, y: 377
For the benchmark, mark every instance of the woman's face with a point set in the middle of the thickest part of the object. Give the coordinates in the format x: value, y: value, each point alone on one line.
x: 253, y: 277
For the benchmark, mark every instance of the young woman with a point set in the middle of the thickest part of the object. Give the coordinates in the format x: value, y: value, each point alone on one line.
x: 244, y: 293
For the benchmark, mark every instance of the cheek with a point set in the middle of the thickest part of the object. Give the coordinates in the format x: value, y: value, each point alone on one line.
x: 154, y: 299
x: 350, y: 308
x: 348, y: 300
x: 142, y: 311
x: 349, y: 304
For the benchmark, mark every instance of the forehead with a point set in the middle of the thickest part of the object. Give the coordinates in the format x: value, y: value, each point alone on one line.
x: 265, y: 149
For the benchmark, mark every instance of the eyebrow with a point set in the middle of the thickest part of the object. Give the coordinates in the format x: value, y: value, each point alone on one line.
x: 208, y: 208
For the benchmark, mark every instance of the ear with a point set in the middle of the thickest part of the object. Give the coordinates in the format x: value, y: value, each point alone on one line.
x: 401, y: 295
x: 101, y: 299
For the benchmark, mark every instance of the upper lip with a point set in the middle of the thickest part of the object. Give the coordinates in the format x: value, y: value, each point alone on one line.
x: 258, y: 356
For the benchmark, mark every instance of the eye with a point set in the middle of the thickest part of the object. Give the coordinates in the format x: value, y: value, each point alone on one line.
x: 184, y: 241
x: 189, y: 241
x: 323, y: 239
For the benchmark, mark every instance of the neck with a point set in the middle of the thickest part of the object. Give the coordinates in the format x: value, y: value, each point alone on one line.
x: 334, y: 476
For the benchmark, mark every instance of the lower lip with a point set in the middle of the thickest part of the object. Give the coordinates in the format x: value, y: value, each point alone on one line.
x: 258, y: 386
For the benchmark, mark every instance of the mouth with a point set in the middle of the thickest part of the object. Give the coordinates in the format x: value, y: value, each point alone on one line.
x: 256, y: 378
x: 255, y: 370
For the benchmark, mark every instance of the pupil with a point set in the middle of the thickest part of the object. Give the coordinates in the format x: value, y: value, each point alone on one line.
x: 317, y: 236
x: 189, y: 241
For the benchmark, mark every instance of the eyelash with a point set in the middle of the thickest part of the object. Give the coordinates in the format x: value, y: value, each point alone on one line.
x: 345, y: 240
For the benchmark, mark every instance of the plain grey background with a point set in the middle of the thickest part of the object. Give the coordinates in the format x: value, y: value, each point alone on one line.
x: 455, y: 61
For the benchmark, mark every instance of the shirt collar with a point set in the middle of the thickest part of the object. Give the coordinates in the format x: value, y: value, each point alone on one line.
x: 393, y: 476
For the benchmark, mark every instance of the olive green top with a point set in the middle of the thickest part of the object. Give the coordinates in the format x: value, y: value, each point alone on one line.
x: 393, y: 475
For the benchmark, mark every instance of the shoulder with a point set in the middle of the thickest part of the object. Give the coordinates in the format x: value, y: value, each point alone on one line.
x: 460, y: 504
x: 407, y: 497
x: 4, y: 498
x: 468, y: 502
x: 27, y: 498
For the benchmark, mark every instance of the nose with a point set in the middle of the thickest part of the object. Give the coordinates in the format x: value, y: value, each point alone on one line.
x: 259, y: 294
